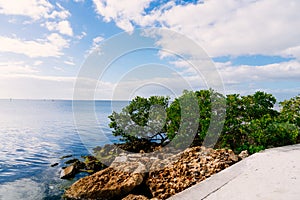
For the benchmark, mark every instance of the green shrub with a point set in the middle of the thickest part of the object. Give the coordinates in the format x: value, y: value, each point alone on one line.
x: 280, y: 134
x: 143, y: 118
x: 290, y: 112
x: 246, y: 117
x: 196, y: 113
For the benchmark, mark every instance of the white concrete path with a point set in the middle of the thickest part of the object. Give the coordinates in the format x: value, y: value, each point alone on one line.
x: 272, y: 174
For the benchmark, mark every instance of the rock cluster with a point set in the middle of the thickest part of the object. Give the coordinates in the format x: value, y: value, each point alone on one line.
x: 109, y: 152
x: 90, y: 165
x: 163, y: 174
x: 106, y: 154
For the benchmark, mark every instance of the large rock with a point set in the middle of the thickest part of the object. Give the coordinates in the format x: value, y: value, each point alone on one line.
x: 193, y: 166
x: 72, y: 170
x: 110, y: 183
x: 68, y: 172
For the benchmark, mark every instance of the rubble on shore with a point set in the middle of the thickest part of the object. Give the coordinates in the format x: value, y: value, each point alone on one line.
x: 152, y: 176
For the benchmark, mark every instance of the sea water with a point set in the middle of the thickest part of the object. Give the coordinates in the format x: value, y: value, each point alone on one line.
x: 36, y: 133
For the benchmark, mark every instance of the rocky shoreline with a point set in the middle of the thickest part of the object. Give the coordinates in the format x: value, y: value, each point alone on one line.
x: 158, y: 175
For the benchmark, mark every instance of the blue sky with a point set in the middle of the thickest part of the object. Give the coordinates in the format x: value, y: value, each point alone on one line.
x: 254, y: 45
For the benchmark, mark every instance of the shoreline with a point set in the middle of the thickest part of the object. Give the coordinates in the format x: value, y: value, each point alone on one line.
x: 166, y: 175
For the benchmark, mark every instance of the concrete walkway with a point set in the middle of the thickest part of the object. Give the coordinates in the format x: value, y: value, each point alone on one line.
x: 271, y: 174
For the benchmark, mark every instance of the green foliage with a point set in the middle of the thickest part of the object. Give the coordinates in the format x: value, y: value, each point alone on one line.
x: 257, y: 105
x: 291, y: 110
x: 232, y: 136
x: 143, y: 118
x: 180, y: 112
x: 267, y: 132
x: 250, y: 122
x: 279, y: 134
x: 192, y: 113
x: 182, y: 119
x: 246, y: 116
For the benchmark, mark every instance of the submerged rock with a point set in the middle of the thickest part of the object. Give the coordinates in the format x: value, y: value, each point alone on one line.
x: 66, y: 156
x: 92, y: 164
x: 54, y: 164
x: 71, y: 161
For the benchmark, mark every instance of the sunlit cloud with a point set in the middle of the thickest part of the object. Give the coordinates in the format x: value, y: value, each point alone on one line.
x: 227, y: 28
x: 122, y: 12
x: 62, y: 27
x: 51, y: 46
x: 35, y: 9
x: 273, y: 72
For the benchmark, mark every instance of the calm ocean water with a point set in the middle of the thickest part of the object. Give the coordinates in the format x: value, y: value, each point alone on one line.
x: 34, y: 134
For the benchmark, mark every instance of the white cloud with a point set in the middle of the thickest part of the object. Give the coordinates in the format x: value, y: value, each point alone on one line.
x: 13, y: 68
x: 258, y: 27
x: 82, y: 35
x: 12, y: 20
x: 228, y: 28
x: 59, y: 69
x: 122, y: 12
x: 68, y: 62
x: 35, y: 9
x: 63, y: 27
x: 52, y: 46
x: 96, y: 41
x: 236, y: 79
x: 37, y: 62
x: 63, y: 14
x: 286, y: 71
x: 293, y: 51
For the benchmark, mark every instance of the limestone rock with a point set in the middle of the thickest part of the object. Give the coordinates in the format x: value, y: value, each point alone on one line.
x: 232, y: 156
x: 192, y: 166
x: 243, y: 154
x: 135, y: 197
x: 110, y: 183
x: 121, y: 159
x: 129, y: 167
x: 68, y: 172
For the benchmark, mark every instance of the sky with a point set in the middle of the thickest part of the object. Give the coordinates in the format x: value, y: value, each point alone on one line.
x: 46, y: 45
